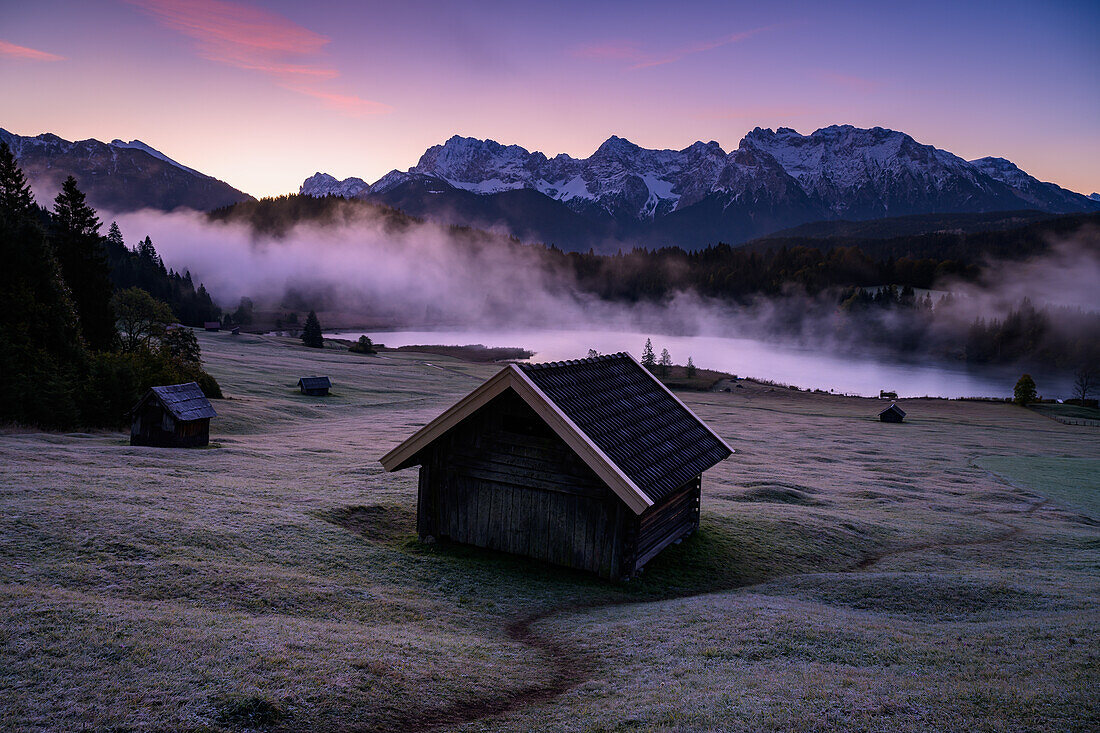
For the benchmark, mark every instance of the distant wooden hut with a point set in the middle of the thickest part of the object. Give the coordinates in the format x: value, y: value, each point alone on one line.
x: 174, y: 416
x: 893, y: 413
x: 315, y: 386
x: 236, y: 331
x: 591, y: 464
x: 212, y: 326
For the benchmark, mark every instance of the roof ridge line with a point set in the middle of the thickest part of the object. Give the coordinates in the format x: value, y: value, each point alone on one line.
x: 573, y: 362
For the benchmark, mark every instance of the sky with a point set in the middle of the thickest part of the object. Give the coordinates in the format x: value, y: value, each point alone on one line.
x: 263, y: 94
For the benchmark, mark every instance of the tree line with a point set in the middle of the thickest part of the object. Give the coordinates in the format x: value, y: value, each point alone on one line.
x: 142, y: 267
x: 63, y: 361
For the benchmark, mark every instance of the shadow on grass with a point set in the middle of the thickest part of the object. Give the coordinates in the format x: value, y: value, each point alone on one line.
x: 724, y: 553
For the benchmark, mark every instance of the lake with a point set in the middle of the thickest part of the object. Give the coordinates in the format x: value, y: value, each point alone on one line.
x: 807, y: 368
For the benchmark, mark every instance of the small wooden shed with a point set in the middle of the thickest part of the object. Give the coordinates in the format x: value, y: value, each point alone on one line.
x: 592, y: 464
x: 212, y: 325
x: 315, y: 386
x: 893, y: 413
x: 173, y: 416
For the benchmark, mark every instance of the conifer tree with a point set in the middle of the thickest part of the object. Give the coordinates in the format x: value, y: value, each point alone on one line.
x: 41, y: 355
x: 690, y: 368
x: 311, y: 332
x: 84, y: 265
x: 647, y: 354
x: 16, y: 200
x: 114, y: 235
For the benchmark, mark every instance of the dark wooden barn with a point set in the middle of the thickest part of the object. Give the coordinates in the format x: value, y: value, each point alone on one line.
x: 212, y: 325
x: 175, y: 416
x: 591, y: 464
x: 893, y: 413
x: 315, y: 386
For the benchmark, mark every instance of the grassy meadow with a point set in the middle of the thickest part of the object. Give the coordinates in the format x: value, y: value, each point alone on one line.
x: 941, y: 574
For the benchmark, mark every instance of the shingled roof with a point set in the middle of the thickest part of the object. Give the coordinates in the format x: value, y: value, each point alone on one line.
x: 627, y: 426
x: 184, y: 401
x: 641, y: 426
x: 314, y: 383
x: 893, y: 408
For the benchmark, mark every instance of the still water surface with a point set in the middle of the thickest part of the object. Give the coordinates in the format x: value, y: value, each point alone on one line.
x: 804, y: 367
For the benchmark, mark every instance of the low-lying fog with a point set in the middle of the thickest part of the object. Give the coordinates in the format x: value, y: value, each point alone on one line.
x: 804, y: 367
x: 507, y: 298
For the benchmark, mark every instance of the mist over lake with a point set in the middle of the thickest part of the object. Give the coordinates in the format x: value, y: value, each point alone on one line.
x: 807, y: 368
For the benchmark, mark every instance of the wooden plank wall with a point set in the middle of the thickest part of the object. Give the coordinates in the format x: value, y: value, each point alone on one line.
x: 676, y: 516
x: 504, y: 481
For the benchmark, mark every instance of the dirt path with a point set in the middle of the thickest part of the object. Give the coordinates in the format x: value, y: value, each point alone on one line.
x: 572, y: 667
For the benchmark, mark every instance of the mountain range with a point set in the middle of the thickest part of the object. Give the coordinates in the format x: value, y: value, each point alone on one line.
x: 117, y: 176
x: 624, y: 194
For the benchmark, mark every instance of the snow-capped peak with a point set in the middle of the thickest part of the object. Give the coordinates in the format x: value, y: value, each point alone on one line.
x: 322, y: 184
x: 840, y: 170
x: 1034, y: 192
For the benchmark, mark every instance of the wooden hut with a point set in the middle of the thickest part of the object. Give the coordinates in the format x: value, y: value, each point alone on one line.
x: 893, y: 413
x: 212, y: 325
x: 591, y: 464
x: 174, y: 416
x: 315, y: 386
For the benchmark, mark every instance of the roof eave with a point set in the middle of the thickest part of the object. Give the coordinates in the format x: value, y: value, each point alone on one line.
x: 513, y: 377
x: 404, y: 454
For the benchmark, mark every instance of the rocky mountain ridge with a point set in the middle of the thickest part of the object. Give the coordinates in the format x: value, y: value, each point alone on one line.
x: 774, y: 179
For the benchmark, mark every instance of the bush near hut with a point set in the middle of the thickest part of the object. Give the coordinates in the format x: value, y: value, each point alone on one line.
x: 116, y: 381
x: 61, y: 364
x: 363, y: 346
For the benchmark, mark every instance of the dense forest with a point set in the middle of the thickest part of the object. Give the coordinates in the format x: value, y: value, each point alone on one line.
x: 64, y: 360
x: 141, y: 267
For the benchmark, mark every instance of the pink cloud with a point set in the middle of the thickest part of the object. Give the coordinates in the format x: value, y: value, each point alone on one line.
x: 22, y: 53
x: 348, y: 104
x: 633, y: 55
x: 855, y: 83
x: 255, y: 39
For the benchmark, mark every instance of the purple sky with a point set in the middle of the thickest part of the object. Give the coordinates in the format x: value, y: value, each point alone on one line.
x: 262, y: 94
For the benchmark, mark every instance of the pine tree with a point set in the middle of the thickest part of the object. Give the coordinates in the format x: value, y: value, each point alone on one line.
x: 147, y: 253
x: 16, y: 200
x: 41, y: 355
x: 690, y: 368
x: 311, y: 333
x: 114, y: 235
x: 84, y: 265
x: 647, y: 354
